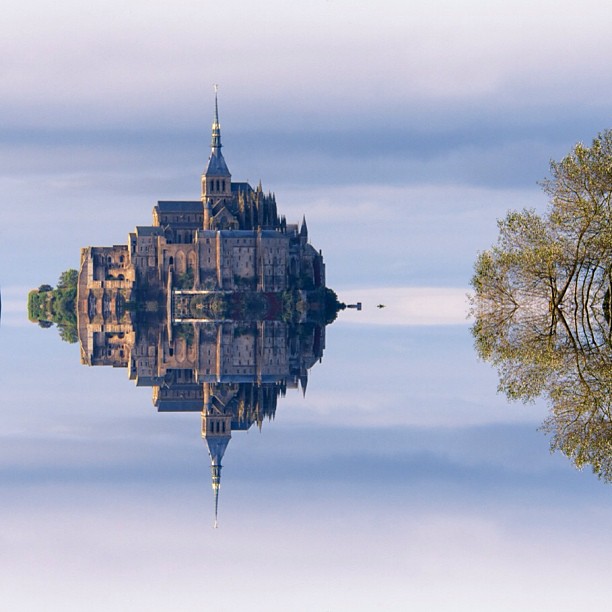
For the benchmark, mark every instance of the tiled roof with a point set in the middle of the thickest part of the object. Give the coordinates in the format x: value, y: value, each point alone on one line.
x: 148, y: 230
x: 241, y: 187
x: 182, y: 206
x: 216, y: 165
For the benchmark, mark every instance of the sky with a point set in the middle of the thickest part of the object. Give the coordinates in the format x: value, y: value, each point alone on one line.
x: 402, y: 131
x: 372, y: 116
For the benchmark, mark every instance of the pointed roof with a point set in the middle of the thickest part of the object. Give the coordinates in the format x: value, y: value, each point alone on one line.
x: 304, y: 228
x: 304, y: 382
x: 216, y: 449
x: 216, y: 165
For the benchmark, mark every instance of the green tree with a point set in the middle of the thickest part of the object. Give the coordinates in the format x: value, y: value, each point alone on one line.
x: 48, y: 306
x: 68, y: 279
x: 564, y: 254
x: 541, y: 300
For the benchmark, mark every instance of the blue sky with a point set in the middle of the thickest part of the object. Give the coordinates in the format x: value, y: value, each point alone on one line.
x: 402, y: 131
x: 381, y: 117
x: 375, y: 116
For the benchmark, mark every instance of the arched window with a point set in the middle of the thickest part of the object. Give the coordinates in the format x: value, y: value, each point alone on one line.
x: 181, y: 266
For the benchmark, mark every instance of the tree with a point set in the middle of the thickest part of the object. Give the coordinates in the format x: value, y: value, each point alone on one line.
x: 47, y: 306
x: 541, y: 305
x: 68, y: 279
x: 563, y: 255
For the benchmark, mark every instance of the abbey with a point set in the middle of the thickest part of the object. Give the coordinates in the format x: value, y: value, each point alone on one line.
x: 232, y: 239
x: 219, y: 305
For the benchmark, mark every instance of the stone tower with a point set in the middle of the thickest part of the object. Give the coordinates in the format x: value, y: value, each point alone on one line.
x: 217, y: 432
x: 216, y: 178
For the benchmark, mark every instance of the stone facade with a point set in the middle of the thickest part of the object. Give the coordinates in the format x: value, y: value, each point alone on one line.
x: 136, y: 302
x: 232, y: 239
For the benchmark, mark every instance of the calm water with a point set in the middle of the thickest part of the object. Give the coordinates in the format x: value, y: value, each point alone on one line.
x: 400, y: 481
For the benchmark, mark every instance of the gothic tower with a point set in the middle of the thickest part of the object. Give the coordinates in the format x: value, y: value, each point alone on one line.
x: 216, y: 431
x: 216, y: 178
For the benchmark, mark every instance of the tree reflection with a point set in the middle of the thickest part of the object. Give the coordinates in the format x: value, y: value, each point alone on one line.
x: 48, y: 306
x: 565, y: 358
x: 541, y: 306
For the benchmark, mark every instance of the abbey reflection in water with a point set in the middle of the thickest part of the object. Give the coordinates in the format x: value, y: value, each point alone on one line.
x: 232, y: 372
x: 220, y: 305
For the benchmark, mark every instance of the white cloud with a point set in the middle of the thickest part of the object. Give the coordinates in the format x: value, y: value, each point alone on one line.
x: 405, y: 306
x: 141, y: 60
x: 14, y: 306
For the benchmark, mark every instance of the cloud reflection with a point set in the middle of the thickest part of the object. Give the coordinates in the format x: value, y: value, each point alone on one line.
x: 406, y: 306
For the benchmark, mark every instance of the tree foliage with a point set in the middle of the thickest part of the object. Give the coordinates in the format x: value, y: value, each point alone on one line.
x: 538, y: 305
x: 48, y: 306
x: 68, y: 279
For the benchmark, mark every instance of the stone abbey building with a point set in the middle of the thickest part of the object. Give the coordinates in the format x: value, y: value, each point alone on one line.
x: 219, y: 305
x: 232, y: 239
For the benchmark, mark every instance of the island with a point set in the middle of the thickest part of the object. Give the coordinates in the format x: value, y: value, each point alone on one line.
x: 220, y: 305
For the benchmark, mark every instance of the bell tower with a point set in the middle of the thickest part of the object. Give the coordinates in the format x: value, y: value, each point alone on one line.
x: 217, y: 432
x: 216, y: 178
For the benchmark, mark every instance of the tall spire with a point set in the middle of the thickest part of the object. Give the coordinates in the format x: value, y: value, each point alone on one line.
x: 216, y: 168
x: 216, y: 448
x: 216, y: 431
x: 216, y: 127
x: 216, y: 485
